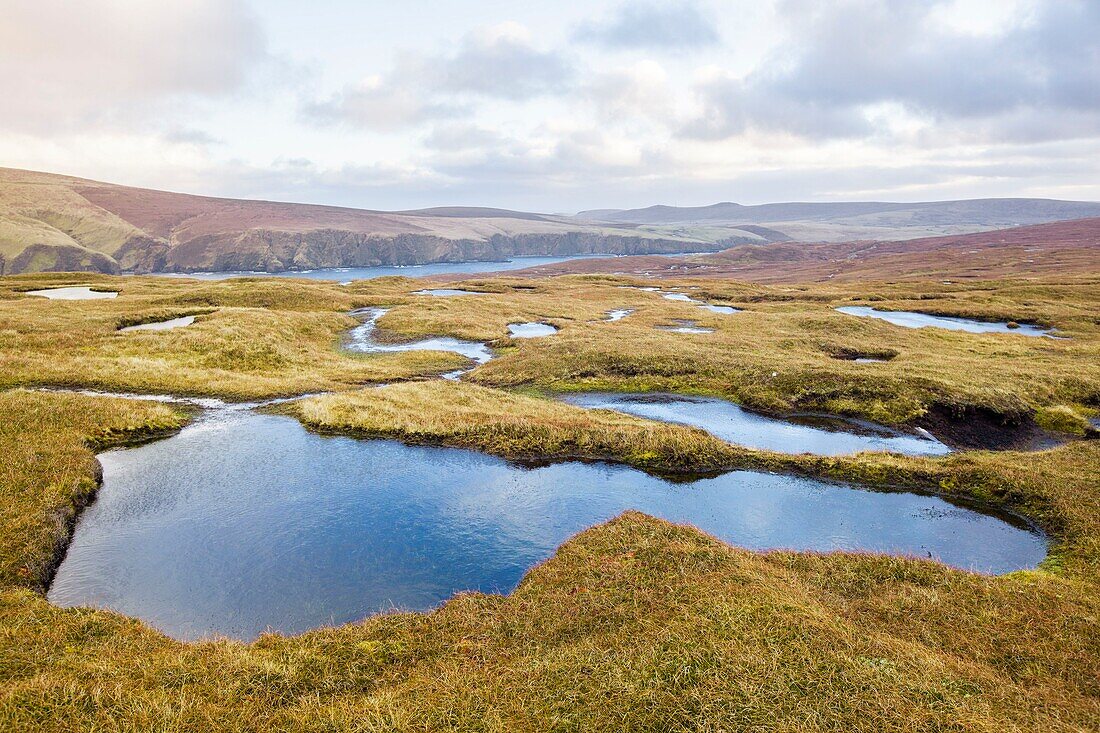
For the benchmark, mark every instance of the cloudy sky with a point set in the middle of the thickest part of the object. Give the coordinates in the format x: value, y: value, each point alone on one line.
x: 558, y: 106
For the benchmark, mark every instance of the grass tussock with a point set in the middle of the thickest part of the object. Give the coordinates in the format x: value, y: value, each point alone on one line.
x: 633, y: 625
x: 1056, y: 488
x: 512, y: 426
x: 48, y: 471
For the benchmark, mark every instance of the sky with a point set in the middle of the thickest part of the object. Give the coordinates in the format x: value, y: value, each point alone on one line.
x: 558, y: 107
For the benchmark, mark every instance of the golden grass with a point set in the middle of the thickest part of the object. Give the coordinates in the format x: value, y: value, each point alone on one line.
x: 511, y: 425
x: 48, y: 472
x: 780, y: 353
x: 633, y: 625
x: 251, y: 339
x: 1056, y: 488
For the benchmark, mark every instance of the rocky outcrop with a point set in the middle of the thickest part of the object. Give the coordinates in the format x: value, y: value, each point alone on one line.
x: 59, y: 258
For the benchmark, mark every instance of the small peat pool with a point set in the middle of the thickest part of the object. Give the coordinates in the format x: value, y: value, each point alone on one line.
x: 245, y: 522
x: 726, y: 420
x: 160, y: 325
x: 73, y: 293
x: 910, y: 319
x: 531, y: 330
x: 362, y: 339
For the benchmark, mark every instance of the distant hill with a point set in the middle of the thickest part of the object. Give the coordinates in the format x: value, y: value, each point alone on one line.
x: 53, y: 223
x: 1064, y: 248
x: 841, y: 221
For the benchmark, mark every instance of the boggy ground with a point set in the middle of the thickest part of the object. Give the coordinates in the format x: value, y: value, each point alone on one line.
x: 633, y: 625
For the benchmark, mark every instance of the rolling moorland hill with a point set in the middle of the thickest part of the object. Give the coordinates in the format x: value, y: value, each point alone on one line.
x: 60, y: 223
x: 1058, y: 248
x: 52, y: 222
x: 846, y: 221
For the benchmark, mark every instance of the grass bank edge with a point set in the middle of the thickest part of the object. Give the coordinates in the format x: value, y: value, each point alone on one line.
x: 977, y: 479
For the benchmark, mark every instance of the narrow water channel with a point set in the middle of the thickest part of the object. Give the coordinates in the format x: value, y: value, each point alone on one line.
x: 245, y: 521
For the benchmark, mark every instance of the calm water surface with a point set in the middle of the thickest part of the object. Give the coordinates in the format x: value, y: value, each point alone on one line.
x: 246, y: 521
x: 685, y: 326
x: 909, y: 319
x: 530, y: 330
x: 160, y: 325
x: 446, y: 292
x: 72, y: 293
x: 733, y: 424
x: 362, y: 339
x: 347, y: 274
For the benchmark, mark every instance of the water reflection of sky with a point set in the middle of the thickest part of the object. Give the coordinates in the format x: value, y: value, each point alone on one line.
x: 733, y: 424
x: 909, y: 319
x: 248, y: 521
x: 362, y: 339
x: 347, y: 274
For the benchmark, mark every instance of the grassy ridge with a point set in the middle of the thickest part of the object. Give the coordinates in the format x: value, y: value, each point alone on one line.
x: 785, y: 351
x: 274, y: 337
x: 251, y: 340
x: 48, y: 471
x: 633, y: 625
x: 1056, y: 488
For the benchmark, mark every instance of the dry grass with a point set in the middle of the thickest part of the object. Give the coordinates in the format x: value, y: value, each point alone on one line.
x: 252, y: 339
x: 633, y: 625
x: 780, y: 353
x: 48, y: 471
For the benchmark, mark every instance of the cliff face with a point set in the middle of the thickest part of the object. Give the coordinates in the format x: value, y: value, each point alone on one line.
x: 273, y: 251
x: 56, y: 223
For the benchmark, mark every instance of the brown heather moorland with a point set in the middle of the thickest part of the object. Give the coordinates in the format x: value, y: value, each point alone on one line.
x: 635, y: 624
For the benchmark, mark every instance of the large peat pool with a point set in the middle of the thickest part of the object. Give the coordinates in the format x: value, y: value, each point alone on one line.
x: 245, y: 521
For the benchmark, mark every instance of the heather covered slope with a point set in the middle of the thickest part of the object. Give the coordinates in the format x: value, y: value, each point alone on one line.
x: 60, y: 223
x: 1058, y: 248
x: 843, y: 221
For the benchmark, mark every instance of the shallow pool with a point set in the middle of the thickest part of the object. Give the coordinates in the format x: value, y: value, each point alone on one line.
x: 245, y: 522
x: 447, y: 292
x: 72, y: 293
x: 160, y: 325
x: 730, y: 422
x: 362, y: 339
x: 910, y: 319
x: 530, y: 330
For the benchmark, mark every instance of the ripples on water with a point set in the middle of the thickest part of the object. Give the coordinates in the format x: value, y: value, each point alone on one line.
x: 362, y: 339
x: 245, y: 521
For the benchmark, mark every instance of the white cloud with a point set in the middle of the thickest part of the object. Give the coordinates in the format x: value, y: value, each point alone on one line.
x: 78, y: 65
x: 577, y: 105
x: 495, y: 62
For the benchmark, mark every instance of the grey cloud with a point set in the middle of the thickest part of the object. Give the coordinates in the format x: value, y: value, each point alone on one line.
x: 490, y: 63
x: 657, y: 25
x: 190, y: 136
x: 843, y: 58
x: 461, y: 136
